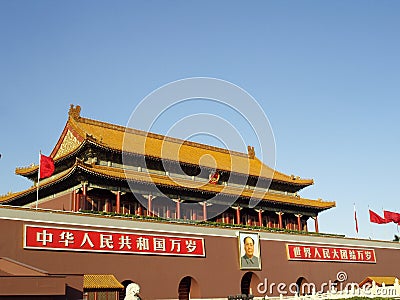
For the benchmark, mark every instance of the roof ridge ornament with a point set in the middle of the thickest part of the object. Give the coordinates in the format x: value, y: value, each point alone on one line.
x: 74, y: 111
x: 250, y: 151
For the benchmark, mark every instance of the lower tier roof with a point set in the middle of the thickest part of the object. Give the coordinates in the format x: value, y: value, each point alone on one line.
x: 81, y: 170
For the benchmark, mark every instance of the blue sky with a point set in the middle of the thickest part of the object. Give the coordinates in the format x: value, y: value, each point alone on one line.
x: 326, y: 73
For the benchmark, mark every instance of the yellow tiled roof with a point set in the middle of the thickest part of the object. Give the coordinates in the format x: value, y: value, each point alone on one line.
x: 388, y: 280
x: 120, y: 138
x: 158, y: 146
x: 101, y: 281
x: 43, y: 182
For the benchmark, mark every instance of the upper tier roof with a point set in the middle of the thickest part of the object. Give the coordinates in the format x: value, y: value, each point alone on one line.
x: 120, y: 138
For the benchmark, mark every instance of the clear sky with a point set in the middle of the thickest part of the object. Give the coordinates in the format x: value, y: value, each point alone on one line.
x: 326, y: 73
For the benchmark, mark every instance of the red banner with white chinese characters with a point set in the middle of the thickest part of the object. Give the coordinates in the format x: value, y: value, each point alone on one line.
x: 76, y: 239
x: 327, y: 253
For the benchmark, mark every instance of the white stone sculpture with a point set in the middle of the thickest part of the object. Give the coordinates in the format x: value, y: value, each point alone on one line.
x: 132, y: 292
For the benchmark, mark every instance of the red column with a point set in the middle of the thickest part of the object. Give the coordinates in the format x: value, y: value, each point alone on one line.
x: 299, y: 222
x: 194, y: 215
x: 84, y: 196
x: 280, y: 219
x: 118, y: 202
x: 178, y: 209
x: 140, y: 210
x: 227, y: 219
x: 73, y: 201
x: 260, y: 223
x: 223, y: 218
x: 269, y: 222
x: 149, y: 208
x: 316, y: 223
x: 78, y: 200
x: 168, y: 213
x: 204, y: 211
x: 238, y: 221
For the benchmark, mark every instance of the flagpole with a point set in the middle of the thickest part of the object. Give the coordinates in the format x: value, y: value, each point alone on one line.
x: 38, y: 181
x: 370, y: 227
x: 356, y: 220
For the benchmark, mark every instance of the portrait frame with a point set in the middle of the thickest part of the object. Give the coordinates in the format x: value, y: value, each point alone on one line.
x: 253, y: 263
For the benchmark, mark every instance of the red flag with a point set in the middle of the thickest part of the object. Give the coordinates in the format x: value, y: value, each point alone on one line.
x: 392, y: 216
x: 46, y: 166
x: 214, y: 178
x: 355, y: 218
x: 375, y: 218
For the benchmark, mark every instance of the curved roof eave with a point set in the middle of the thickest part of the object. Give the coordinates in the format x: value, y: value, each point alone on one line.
x: 145, y: 178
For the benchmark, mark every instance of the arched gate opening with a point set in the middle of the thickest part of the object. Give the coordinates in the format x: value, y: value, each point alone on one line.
x: 188, y: 287
x: 248, y: 284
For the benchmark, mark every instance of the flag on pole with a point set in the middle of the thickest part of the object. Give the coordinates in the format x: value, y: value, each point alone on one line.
x: 355, y: 218
x: 392, y: 216
x: 375, y: 218
x: 46, y: 166
x: 46, y: 169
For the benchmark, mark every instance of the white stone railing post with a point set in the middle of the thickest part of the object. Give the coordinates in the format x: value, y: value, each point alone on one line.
x: 397, y: 286
x: 373, y: 289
